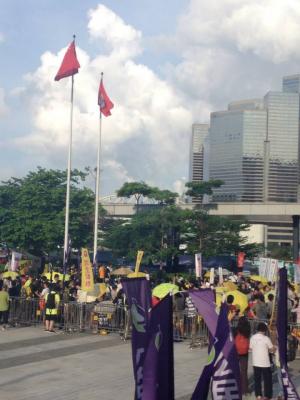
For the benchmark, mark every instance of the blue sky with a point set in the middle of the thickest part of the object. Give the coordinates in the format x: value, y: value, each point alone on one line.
x: 167, y: 64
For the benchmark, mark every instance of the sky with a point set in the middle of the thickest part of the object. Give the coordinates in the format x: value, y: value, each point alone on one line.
x: 166, y: 64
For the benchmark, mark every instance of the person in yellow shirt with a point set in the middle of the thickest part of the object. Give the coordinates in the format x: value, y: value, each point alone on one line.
x: 52, y: 303
x: 4, y: 306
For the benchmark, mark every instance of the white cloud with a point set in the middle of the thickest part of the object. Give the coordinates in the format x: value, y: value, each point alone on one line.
x: 149, y: 124
x: 222, y: 51
x: 123, y: 39
x: 268, y: 28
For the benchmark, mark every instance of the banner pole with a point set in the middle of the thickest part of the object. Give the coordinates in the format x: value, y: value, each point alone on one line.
x: 69, y: 177
x: 97, y: 187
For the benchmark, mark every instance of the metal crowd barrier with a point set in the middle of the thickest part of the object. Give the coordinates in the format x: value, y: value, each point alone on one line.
x: 105, y: 317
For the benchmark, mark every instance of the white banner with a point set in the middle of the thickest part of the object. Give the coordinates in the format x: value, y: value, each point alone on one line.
x: 262, y: 266
x: 212, y: 276
x: 297, y: 273
x: 268, y: 268
x: 15, y: 260
x: 221, y: 280
x: 273, y: 270
x: 198, y: 265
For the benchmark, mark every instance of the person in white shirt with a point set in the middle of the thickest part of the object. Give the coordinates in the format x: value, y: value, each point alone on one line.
x: 261, y: 347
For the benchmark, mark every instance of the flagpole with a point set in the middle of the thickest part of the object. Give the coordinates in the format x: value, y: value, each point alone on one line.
x: 97, y: 186
x: 69, y: 175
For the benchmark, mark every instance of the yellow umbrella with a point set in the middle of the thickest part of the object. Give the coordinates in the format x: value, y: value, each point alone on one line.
x: 163, y: 289
x: 258, y: 278
x: 240, y: 299
x: 230, y: 285
x: 137, y: 275
x: 10, y: 274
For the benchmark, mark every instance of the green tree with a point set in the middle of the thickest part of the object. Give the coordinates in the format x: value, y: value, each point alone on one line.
x: 135, y: 189
x: 32, y: 211
x: 163, y: 197
x: 213, y: 235
x: 199, y: 189
x: 155, y: 231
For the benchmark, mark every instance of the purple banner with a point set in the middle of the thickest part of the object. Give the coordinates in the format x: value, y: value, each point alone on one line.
x: 138, y: 293
x: 159, y: 363
x: 223, y: 365
x: 289, y: 389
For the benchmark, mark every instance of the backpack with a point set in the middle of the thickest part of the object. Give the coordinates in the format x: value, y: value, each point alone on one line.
x: 241, y: 344
x: 50, y: 300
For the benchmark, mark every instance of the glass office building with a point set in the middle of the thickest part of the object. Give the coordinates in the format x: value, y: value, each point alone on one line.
x: 254, y: 147
x: 199, y: 134
x: 196, y: 168
x: 283, y: 138
x: 237, y: 151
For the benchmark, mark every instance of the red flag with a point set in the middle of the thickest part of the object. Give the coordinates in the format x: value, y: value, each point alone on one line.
x: 104, y: 101
x: 69, y: 65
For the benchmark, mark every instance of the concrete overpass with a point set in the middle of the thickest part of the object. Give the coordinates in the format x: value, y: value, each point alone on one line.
x: 255, y: 213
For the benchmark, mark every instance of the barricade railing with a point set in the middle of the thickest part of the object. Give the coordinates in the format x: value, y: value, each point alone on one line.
x: 105, y: 317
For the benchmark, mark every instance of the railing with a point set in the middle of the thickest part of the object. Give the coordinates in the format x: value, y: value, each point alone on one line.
x: 106, y: 317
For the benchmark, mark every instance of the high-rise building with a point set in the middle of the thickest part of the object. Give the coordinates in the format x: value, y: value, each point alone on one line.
x: 197, y: 150
x: 283, y: 140
x: 291, y: 83
x: 237, y: 151
x: 254, y: 147
x: 199, y: 133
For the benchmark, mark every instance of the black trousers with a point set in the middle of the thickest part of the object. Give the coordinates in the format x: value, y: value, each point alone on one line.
x: 3, y: 317
x: 243, y: 360
x: 266, y: 375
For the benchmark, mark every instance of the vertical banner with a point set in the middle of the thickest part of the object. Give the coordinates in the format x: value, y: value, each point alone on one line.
x: 240, y: 259
x: 288, y: 386
x: 15, y: 260
x: 212, y: 276
x: 159, y: 360
x: 273, y: 270
x: 139, y: 257
x: 198, y: 265
x: 222, y: 368
x: 87, y: 277
x: 138, y: 293
x: 221, y: 279
x: 262, y: 266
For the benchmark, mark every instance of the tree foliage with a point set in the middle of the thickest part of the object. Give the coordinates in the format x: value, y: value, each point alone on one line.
x: 199, y: 189
x: 160, y: 231
x: 32, y: 211
x: 136, y: 189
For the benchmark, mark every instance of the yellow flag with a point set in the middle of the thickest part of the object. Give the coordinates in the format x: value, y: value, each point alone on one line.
x: 87, y: 277
x: 139, y: 257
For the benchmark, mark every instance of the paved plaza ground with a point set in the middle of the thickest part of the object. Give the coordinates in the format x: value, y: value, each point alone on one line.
x: 38, y: 365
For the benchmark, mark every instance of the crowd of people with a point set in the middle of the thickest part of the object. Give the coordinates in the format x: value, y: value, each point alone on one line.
x: 250, y: 321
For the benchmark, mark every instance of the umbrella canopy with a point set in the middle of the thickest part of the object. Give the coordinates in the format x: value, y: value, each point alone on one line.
x: 61, y: 276
x: 258, y: 278
x: 230, y: 285
x: 163, y: 289
x: 10, y: 274
x: 122, y: 271
x: 240, y: 299
x: 136, y: 275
